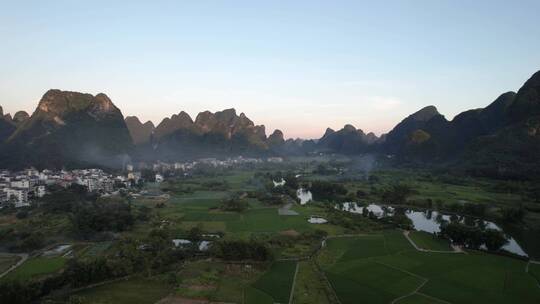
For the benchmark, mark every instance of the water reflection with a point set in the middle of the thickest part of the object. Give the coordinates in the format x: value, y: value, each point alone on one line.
x: 317, y: 220
x: 430, y: 221
x: 305, y: 196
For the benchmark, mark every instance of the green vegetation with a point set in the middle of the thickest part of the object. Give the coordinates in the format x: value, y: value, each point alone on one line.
x: 6, y: 261
x: 277, y: 281
x: 267, y: 220
x: 473, y: 237
x: 35, y: 267
x: 127, y: 236
x: 215, y: 281
x: 132, y: 291
x: 238, y: 250
x: 429, y: 241
x: 534, y: 270
x: 255, y: 296
x: 310, y: 286
x: 381, y: 268
x: 418, y: 298
x: 97, y: 249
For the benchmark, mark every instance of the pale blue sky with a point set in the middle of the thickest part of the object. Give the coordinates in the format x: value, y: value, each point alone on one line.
x: 295, y: 65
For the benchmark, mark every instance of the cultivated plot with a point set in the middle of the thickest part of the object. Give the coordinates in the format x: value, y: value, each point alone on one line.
x: 276, y: 284
x: 382, y: 268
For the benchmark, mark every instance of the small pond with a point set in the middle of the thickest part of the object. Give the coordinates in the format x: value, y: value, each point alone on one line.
x: 57, y: 250
x: 317, y: 220
x: 281, y: 183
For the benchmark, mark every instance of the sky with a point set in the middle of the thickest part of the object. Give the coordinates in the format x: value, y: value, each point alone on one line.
x: 300, y: 66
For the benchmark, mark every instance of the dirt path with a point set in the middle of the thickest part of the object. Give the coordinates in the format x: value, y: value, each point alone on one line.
x: 416, y: 290
x: 294, y: 283
x: 23, y: 256
x: 286, y: 210
x: 527, y: 271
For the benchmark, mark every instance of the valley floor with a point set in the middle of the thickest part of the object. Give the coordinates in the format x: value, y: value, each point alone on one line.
x: 355, y: 264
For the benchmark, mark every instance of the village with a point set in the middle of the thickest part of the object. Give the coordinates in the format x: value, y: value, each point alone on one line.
x: 20, y: 188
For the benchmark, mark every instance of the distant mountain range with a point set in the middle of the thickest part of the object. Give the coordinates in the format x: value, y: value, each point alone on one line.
x: 69, y: 128
x: 223, y: 133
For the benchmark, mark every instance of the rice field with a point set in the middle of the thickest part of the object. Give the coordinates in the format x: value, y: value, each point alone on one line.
x: 429, y: 241
x: 384, y: 267
x: 132, y: 291
x: 35, y: 267
x: 276, y: 283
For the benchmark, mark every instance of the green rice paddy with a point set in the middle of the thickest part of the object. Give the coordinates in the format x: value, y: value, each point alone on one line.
x: 276, y: 282
x: 132, y: 291
x: 429, y: 241
x: 35, y: 267
x: 382, y: 268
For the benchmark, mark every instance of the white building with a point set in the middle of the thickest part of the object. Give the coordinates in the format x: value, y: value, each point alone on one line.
x: 40, y: 191
x: 19, y: 196
x: 21, y: 184
x: 159, y: 178
x: 3, y: 196
x: 136, y: 176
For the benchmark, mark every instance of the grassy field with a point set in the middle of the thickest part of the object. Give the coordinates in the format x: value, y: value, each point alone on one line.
x: 534, y: 270
x: 97, y: 249
x: 277, y: 281
x: 198, y: 208
x: 6, y: 261
x: 35, y: 267
x: 420, y: 299
x: 310, y: 287
x: 215, y: 281
x: 132, y: 291
x: 441, y: 188
x: 267, y: 220
x: 428, y: 241
x: 255, y: 296
x: 381, y: 268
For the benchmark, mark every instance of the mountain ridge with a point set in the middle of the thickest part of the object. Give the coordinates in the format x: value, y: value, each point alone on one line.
x: 69, y: 128
x: 505, y: 133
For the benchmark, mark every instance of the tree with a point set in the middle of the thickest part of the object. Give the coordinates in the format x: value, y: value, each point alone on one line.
x: 195, y: 234
x: 361, y: 194
x: 102, y: 215
x: 32, y: 241
x: 323, y: 190
x: 397, y: 194
x: 462, y: 234
x: 402, y: 221
x: 494, y: 239
x: 16, y: 292
x: 234, y: 204
x: 513, y: 214
x: 241, y: 250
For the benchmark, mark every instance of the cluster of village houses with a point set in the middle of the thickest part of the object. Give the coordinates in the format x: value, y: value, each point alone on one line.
x: 21, y: 187
x: 213, y: 162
